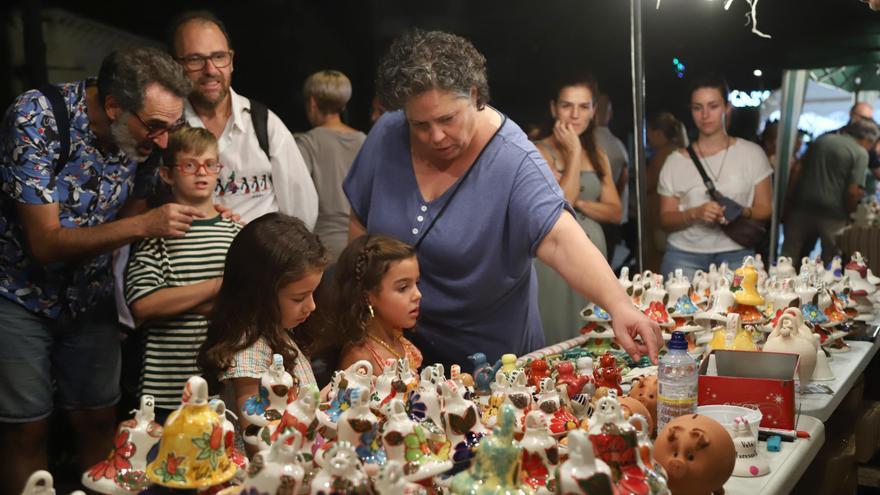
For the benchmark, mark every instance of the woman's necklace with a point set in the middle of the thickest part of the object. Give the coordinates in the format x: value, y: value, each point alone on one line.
x: 385, y: 345
x: 723, y: 160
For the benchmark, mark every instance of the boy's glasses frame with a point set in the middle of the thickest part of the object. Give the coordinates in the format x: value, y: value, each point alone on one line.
x: 193, y: 167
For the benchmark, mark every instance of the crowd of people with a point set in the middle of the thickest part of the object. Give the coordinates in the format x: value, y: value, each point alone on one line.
x: 223, y: 224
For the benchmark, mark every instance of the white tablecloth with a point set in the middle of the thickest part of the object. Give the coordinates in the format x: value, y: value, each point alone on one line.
x: 847, y: 366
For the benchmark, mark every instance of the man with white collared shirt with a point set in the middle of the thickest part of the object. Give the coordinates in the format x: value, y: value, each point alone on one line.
x: 253, y: 182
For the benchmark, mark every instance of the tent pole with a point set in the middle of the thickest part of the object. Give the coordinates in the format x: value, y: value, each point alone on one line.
x: 637, y: 65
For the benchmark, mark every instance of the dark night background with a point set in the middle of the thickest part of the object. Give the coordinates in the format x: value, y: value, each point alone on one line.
x: 279, y: 42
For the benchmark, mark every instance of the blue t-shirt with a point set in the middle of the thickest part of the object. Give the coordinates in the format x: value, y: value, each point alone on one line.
x: 90, y: 190
x: 479, y: 292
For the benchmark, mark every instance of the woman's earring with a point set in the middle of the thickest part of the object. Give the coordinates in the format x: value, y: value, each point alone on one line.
x: 372, y: 313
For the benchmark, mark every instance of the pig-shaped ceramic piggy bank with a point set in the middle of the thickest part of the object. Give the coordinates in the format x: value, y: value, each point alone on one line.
x: 644, y: 390
x: 705, y: 454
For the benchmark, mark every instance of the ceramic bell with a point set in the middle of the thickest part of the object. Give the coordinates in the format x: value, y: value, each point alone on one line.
x: 124, y: 470
x: 750, y: 463
x: 697, y: 453
x: 341, y: 471
x: 496, y: 467
x: 560, y: 419
x: 278, y: 469
x: 615, y: 441
x: 359, y: 427
x: 607, y: 375
x: 424, y: 404
x: 733, y: 336
x: 299, y: 415
x: 236, y: 456
x: 519, y: 395
x: 387, y: 384
x: 785, y: 338
x: 405, y: 442
x: 192, y: 453
x: 276, y: 389
x: 392, y: 481
x: 462, y: 425
x: 722, y: 301
x: 678, y: 285
x: 583, y: 473
x: 358, y: 376
x: 785, y: 269
x: 407, y: 375
x: 540, y: 452
x: 822, y: 372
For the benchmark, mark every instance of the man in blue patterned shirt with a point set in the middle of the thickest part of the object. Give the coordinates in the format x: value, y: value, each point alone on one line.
x: 59, y: 342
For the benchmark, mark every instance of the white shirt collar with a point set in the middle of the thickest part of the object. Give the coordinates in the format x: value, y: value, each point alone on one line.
x: 239, y: 105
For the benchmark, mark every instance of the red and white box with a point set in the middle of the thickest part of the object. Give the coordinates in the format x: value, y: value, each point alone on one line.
x: 752, y: 379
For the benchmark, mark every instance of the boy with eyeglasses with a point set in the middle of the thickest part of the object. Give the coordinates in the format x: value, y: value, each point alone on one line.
x: 170, y: 283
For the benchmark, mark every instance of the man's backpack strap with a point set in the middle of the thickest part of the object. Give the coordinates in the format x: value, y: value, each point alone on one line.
x: 62, y: 120
x: 260, y: 120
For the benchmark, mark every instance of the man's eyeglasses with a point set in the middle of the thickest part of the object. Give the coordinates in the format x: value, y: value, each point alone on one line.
x: 193, y: 63
x: 154, y: 131
x: 190, y: 167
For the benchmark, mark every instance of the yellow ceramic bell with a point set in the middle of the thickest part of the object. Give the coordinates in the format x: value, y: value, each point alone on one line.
x: 192, y: 453
x: 745, y: 284
x: 733, y: 336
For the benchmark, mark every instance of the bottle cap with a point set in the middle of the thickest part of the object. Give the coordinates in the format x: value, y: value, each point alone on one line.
x: 678, y: 342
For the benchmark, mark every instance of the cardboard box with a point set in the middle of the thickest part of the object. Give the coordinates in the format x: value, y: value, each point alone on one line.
x: 752, y: 379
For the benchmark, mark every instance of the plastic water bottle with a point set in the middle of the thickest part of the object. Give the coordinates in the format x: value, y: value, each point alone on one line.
x: 676, y: 382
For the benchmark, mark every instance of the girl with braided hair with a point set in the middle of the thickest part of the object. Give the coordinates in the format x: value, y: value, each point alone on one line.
x: 375, y: 299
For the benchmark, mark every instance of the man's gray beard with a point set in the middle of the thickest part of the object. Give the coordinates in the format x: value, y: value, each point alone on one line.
x: 124, y: 140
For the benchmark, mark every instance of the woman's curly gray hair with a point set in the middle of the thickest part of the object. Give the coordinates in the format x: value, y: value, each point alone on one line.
x: 420, y: 61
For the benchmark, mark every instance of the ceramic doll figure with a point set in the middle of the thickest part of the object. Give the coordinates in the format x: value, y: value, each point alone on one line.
x: 540, y: 452
x: 360, y: 427
x: 499, y: 387
x: 424, y: 403
x: 785, y: 338
x: 277, y: 470
x: 358, y: 376
x: 538, y: 370
x: 583, y: 473
x: 585, y: 368
x: 392, y: 481
x: 484, y: 375
x: 750, y: 463
x: 341, y: 472
x: 405, y: 442
x: 192, y: 453
x: 697, y: 453
x: 607, y: 375
x: 299, y: 415
x: 124, y: 470
x: 462, y: 425
x: 497, y: 463
x: 464, y: 381
x: 616, y: 442
x: 644, y: 390
x: 276, y: 389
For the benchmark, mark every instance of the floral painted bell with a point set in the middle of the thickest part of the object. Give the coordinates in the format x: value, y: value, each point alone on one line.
x: 722, y: 301
x: 124, y: 470
x: 496, y: 467
x: 406, y: 442
x: 540, y: 452
x: 358, y: 376
x: 236, y: 456
x: 276, y: 389
x: 192, y: 453
x: 360, y: 427
x: 583, y: 473
x: 593, y: 313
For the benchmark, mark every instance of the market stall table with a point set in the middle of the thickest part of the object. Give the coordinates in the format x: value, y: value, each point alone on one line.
x: 786, y: 466
x: 847, y: 366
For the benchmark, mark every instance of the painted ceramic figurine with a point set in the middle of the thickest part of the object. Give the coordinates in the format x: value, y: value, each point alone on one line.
x: 192, y: 453
x: 538, y: 370
x: 540, y: 452
x: 299, y: 415
x: 484, y: 373
x: 405, y: 442
x: 392, y: 481
x: 341, y: 472
x: 573, y: 383
x: 644, y: 390
x: 276, y: 390
x: 278, y: 469
x: 124, y: 470
x: 462, y: 425
x: 496, y: 467
x: 750, y: 463
x: 697, y: 453
x: 785, y: 338
x: 583, y: 473
x: 360, y: 427
x: 607, y: 375
x: 560, y: 420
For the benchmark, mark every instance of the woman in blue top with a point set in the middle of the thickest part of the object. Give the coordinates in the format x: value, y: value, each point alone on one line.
x: 464, y: 185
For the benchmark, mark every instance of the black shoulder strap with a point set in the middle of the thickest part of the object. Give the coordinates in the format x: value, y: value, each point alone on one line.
x: 62, y: 120
x: 260, y: 119
x: 710, y: 187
